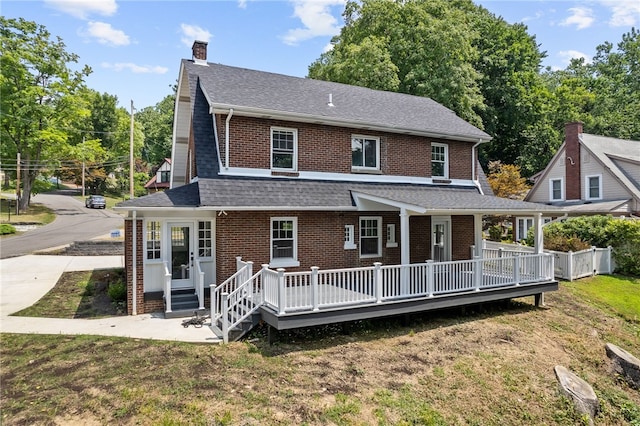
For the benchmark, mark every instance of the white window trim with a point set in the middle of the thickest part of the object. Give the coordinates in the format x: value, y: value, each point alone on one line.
x: 294, y: 161
x: 446, y: 160
x: 586, y: 187
x: 379, y: 253
x: 364, y: 168
x: 212, y: 238
x: 391, y: 235
x: 161, y: 241
x: 284, y: 262
x: 561, y: 189
x: 349, y: 237
x: 526, y: 231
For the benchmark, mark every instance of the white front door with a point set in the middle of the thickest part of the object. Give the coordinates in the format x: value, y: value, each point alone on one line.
x: 441, y: 239
x: 181, y: 255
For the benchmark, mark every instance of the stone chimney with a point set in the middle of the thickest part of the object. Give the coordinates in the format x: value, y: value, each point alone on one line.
x: 573, y: 181
x: 199, y: 50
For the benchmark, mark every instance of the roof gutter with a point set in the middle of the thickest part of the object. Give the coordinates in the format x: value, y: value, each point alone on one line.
x: 226, y: 138
x: 473, y: 165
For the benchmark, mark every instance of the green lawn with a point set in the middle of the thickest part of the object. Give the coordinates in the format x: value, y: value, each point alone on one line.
x: 616, y: 293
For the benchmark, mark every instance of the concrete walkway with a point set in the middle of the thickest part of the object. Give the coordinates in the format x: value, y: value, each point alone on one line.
x: 25, y: 279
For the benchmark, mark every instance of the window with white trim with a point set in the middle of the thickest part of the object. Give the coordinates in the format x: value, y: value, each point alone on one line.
x: 556, y: 190
x: 205, y: 240
x: 391, y: 235
x: 153, y: 237
x: 349, y: 237
x: 370, y: 236
x: 524, y: 223
x: 439, y: 160
x: 365, y: 152
x: 284, y: 242
x: 284, y: 149
x: 593, y: 187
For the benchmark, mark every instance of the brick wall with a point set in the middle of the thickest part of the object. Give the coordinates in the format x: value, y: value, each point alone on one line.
x: 325, y: 148
x: 572, y: 161
x: 462, y: 237
x: 128, y: 262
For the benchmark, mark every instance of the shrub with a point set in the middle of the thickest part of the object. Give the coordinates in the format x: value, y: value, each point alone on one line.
x: 495, y: 233
x: 623, y: 235
x: 117, y: 291
x: 564, y: 243
x: 6, y: 229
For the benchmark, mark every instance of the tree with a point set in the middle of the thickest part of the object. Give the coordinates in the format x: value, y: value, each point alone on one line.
x: 157, y: 124
x: 506, y: 182
x: 38, y: 97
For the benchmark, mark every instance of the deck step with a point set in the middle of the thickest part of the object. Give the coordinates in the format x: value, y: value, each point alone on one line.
x: 240, y: 330
x: 183, y: 304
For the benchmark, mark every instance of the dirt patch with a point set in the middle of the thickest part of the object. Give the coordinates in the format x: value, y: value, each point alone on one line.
x: 80, y: 294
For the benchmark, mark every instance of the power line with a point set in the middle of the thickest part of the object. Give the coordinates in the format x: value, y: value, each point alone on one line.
x: 70, y: 129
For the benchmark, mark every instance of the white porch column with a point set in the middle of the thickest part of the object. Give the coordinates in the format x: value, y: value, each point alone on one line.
x: 539, y: 239
x: 477, y: 232
x: 404, y: 250
x: 404, y: 237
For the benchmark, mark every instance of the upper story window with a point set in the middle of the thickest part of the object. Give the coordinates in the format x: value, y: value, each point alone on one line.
x: 556, y: 192
x: 165, y: 176
x: 284, y: 148
x: 370, y: 236
x: 153, y: 240
x: 365, y: 153
x: 593, y: 187
x: 284, y: 242
x: 439, y: 160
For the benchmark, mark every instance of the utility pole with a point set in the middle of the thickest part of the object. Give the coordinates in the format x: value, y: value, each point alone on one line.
x: 83, y: 155
x: 18, y: 185
x: 131, y: 155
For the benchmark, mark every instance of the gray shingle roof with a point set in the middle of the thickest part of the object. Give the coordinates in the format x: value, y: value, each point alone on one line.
x: 292, y: 194
x: 250, y: 90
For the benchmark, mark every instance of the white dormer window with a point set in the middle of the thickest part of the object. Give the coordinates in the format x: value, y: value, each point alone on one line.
x: 365, y: 153
x: 439, y: 160
x: 593, y: 187
x: 556, y: 190
x: 284, y: 149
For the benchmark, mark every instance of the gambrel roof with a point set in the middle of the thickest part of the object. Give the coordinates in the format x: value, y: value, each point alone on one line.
x: 272, y: 95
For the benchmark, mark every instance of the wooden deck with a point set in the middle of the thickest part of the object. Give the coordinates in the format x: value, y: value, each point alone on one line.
x: 286, y: 300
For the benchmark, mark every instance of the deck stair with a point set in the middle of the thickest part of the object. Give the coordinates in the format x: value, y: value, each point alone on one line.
x: 183, y: 304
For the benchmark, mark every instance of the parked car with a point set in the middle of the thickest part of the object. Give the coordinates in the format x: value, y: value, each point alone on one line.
x: 95, y: 202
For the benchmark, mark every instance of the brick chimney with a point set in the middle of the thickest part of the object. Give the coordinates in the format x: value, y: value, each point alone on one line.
x: 199, y: 50
x: 573, y: 181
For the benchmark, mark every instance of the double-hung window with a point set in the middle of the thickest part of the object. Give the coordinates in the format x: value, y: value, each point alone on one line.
x: 165, y: 176
x: 284, y: 242
x: 153, y: 240
x: 365, y: 153
x: 284, y: 149
x: 593, y: 187
x: 556, y: 190
x: 439, y: 160
x: 370, y: 236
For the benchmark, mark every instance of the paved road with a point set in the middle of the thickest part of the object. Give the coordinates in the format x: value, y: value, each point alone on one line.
x: 73, y: 222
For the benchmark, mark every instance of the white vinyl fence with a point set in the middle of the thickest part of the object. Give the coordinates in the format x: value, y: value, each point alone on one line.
x: 567, y: 266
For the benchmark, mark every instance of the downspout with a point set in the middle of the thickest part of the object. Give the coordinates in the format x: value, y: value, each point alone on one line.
x: 473, y: 166
x: 226, y: 139
x: 134, y: 269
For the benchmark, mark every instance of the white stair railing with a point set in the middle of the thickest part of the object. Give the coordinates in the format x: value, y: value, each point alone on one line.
x: 167, y: 287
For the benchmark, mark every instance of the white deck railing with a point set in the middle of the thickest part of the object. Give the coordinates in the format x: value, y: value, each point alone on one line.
x: 315, y: 289
x: 244, y: 270
x: 199, y: 284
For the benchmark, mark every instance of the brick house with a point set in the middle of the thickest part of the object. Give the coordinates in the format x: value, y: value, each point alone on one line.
x: 301, y: 175
x: 588, y: 175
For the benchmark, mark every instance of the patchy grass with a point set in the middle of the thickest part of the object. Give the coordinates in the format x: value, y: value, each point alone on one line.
x: 492, y: 365
x: 80, y: 294
x: 36, y: 213
x: 617, y: 293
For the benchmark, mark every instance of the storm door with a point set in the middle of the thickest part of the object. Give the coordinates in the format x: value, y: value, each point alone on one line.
x: 181, y: 261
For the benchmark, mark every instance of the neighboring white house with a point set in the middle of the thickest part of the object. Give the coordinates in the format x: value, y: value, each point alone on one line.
x: 162, y: 178
x: 588, y: 175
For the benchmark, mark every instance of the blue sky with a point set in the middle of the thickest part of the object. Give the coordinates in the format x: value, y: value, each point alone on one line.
x: 135, y: 47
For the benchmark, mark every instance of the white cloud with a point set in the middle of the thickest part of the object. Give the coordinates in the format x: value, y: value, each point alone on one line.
x: 581, y: 17
x: 190, y: 33
x: 83, y: 8
x: 134, y: 68
x: 568, y: 55
x: 106, y: 34
x: 317, y: 20
x: 624, y: 13
x: 242, y: 4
